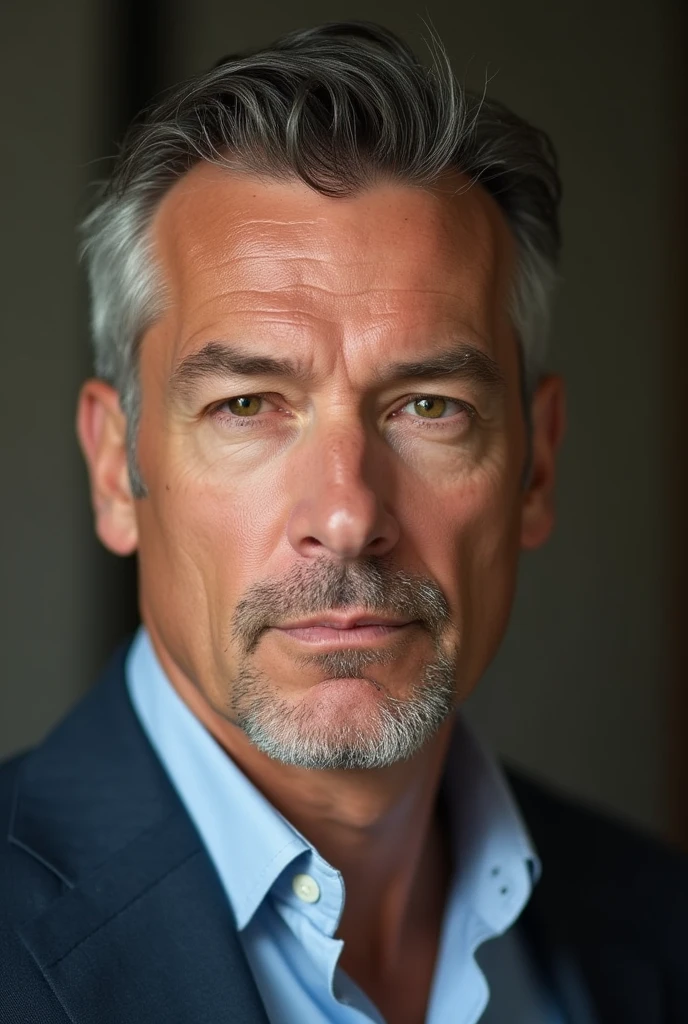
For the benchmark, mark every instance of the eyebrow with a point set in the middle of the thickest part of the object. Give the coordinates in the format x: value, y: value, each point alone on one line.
x: 460, y: 362
x: 218, y: 359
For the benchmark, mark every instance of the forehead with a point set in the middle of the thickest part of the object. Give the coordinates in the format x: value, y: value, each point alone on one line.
x: 391, y: 259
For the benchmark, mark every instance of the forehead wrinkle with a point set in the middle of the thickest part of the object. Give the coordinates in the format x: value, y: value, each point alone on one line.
x: 310, y: 268
x: 198, y: 251
x: 274, y: 261
x: 286, y: 270
x: 245, y: 323
x: 318, y: 305
x: 272, y: 298
x: 291, y: 222
x: 275, y: 253
x: 359, y: 293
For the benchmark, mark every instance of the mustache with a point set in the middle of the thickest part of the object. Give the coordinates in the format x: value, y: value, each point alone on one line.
x: 321, y: 586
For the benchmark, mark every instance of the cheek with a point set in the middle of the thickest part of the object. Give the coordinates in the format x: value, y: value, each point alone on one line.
x: 209, y: 534
x: 470, y: 538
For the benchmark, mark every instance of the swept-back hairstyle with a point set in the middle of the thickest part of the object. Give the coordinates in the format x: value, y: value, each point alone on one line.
x: 339, y: 107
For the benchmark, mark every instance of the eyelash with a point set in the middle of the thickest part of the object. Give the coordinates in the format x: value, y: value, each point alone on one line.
x: 250, y: 421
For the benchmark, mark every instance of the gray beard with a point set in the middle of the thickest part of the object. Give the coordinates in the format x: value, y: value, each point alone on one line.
x: 397, y: 730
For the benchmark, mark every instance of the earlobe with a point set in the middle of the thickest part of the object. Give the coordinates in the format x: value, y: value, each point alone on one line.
x: 548, y: 417
x: 101, y: 429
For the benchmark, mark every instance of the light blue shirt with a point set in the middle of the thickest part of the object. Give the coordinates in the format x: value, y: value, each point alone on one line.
x: 288, y: 901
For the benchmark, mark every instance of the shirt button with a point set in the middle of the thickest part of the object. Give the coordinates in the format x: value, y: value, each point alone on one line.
x: 306, y: 888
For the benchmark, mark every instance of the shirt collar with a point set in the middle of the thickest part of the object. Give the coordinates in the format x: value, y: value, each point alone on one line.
x: 495, y: 863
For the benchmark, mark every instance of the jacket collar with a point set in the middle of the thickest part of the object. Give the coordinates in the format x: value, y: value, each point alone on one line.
x: 142, y: 929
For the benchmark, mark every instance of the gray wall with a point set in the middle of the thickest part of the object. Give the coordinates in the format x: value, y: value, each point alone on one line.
x: 48, y: 62
x: 579, y: 692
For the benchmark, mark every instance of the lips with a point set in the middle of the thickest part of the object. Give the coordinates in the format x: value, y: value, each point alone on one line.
x: 342, y: 620
x: 348, y: 631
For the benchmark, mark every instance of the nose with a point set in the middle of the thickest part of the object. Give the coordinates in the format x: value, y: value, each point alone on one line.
x: 336, y: 509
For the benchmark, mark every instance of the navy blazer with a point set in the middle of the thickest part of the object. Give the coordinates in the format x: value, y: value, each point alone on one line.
x: 111, y: 911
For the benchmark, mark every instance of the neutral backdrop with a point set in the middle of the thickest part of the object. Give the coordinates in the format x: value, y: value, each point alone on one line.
x: 583, y: 690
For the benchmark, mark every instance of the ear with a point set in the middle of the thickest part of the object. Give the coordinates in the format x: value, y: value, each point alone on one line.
x: 548, y: 418
x: 101, y: 429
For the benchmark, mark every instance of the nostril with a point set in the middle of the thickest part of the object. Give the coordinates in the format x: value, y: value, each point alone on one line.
x: 376, y: 543
x: 311, y: 544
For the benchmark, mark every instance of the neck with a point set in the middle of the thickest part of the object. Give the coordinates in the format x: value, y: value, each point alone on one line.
x: 379, y: 828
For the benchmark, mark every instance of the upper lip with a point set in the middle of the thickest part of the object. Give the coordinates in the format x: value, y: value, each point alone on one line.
x: 345, y: 621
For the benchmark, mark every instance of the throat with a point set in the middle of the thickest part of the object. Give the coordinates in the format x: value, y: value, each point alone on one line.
x: 395, y: 966
x: 403, y: 995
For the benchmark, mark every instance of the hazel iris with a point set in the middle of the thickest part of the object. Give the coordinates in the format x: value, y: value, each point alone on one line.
x: 244, y: 405
x: 430, y: 408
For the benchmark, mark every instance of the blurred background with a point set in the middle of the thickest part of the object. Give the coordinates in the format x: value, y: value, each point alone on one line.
x: 588, y: 690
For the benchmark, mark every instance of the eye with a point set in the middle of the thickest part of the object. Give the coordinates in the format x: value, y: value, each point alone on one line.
x: 241, y: 409
x: 434, y: 407
x: 244, y: 405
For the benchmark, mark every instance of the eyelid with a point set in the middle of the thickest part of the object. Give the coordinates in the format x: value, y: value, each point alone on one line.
x: 466, y: 407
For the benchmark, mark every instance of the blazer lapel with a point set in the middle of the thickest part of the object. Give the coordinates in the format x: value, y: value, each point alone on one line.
x: 577, y: 923
x: 595, y: 978
x: 143, y: 929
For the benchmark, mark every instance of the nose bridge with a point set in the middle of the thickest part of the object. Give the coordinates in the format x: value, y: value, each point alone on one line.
x: 338, y: 501
x: 345, y: 452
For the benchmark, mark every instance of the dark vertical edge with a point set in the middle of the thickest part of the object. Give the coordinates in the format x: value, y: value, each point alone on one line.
x: 678, y: 465
x: 138, y: 58
x: 136, y: 42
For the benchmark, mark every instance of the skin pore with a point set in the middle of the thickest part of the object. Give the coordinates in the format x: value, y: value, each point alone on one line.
x: 259, y: 474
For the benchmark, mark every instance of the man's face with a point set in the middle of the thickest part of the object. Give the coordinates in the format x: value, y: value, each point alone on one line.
x: 333, y: 443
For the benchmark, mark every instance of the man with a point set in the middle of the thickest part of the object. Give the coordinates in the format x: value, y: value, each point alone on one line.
x: 320, y: 279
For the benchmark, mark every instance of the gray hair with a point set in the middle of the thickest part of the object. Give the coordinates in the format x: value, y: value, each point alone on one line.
x: 339, y: 107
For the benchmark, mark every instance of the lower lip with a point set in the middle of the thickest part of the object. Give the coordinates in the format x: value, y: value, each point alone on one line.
x: 358, y: 636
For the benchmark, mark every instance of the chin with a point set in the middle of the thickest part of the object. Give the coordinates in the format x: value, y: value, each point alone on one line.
x: 345, y: 722
x: 342, y: 700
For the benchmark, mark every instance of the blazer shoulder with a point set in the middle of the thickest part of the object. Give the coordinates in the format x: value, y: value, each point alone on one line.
x: 26, y: 885
x: 603, y: 860
x: 9, y: 770
x: 565, y: 817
